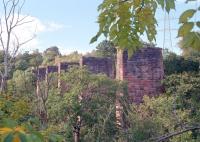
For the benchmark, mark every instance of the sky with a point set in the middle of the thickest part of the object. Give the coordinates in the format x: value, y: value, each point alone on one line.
x: 70, y: 24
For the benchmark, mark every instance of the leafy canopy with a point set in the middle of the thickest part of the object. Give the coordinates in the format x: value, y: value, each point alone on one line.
x: 189, y: 29
x: 124, y: 21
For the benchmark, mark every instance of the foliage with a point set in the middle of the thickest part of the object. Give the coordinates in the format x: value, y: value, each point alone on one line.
x: 36, y: 59
x: 185, y: 87
x: 106, y: 49
x: 152, y: 119
x: 189, y: 29
x: 50, y: 54
x: 72, y: 57
x: 10, y: 42
x: 177, y: 64
x: 88, y: 106
x: 10, y: 131
x: 173, y: 112
x: 22, y: 82
x: 24, y: 62
x: 124, y: 21
x: 189, y: 52
x: 14, y: 107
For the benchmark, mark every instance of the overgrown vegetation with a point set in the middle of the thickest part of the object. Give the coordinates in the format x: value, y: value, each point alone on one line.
x: 85, y: 109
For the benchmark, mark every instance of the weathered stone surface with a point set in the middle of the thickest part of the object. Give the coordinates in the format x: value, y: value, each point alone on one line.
x: 41, y: 73
x: 51, y: 69
x: 99, y: 65
x: 143, y: 72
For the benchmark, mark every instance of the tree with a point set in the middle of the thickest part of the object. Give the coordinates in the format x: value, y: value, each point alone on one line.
x: 72, y: 57
x: 27, y: 60
x: 50, y: 54
x: 106, y: 49
x: 36, y: 59
x: 189, y: 52
x: 157, y: 120
x: 22, y: 61
x: 9, y: 41
x: 189, y: 29
x: 23, y: 83
x: 123, y: 22
x: 87, y: 109
x: 178, y: 64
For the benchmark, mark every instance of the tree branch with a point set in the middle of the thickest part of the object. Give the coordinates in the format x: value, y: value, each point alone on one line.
x: 170, y: 135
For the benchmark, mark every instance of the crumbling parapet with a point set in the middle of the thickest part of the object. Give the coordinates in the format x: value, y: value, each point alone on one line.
x: 99, y: 65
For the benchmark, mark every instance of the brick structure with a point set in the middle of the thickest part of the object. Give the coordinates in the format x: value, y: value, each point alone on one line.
x: 99, y: 65
x: 143, y: 72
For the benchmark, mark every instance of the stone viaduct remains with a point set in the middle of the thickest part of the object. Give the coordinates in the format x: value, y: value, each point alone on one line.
x: 143, y: 72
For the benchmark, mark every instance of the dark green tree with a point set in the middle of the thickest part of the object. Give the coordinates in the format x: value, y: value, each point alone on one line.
x: 50, y: 54
x: 106, y: 49
x: 87, y: 109
x: 36, y: 59
x: 178, y: 64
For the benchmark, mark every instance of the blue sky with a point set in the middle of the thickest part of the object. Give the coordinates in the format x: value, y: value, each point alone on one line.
x: 77, y: 19
x: 70, y: 24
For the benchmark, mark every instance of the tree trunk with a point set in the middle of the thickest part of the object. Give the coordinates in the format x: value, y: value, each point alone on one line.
x: 3, y: 84
x: 4, y: 75
x: 44, y: 119
x: 76, y: 134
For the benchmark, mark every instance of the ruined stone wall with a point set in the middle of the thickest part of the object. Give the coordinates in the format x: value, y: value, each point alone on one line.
x: 143, y: 72
x: 42, y: 74
x: 99, y: 65
x: 94, y: 65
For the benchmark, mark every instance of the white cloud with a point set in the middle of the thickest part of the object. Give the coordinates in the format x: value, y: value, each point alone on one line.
x: 53, y: 26
x: 32, y: 29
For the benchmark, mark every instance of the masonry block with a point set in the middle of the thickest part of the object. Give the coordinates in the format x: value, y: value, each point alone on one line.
x: 143, y: 71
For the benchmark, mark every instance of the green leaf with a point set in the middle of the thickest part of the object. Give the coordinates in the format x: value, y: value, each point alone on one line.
x: 9, y: 123
x: 185, y: 29
x: 55, y: 138
x: 8, y: 138
x: 192, y: 40
x: 95, y: 38
x: 185, y: 16
x: 196, y: 42
x: 188, y: 40
x: 161, y: 2
x: 22, y: 137
x: 33, y: 138
x: 170, y: 4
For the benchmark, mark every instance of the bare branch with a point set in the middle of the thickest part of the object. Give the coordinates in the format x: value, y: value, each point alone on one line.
x: 17, y: 46
x: 20, y: 8
x: 19, y: 24
x: 173, y: 134
x: 22, y: 43
x: 1, y: 34
x: 11, y: 19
